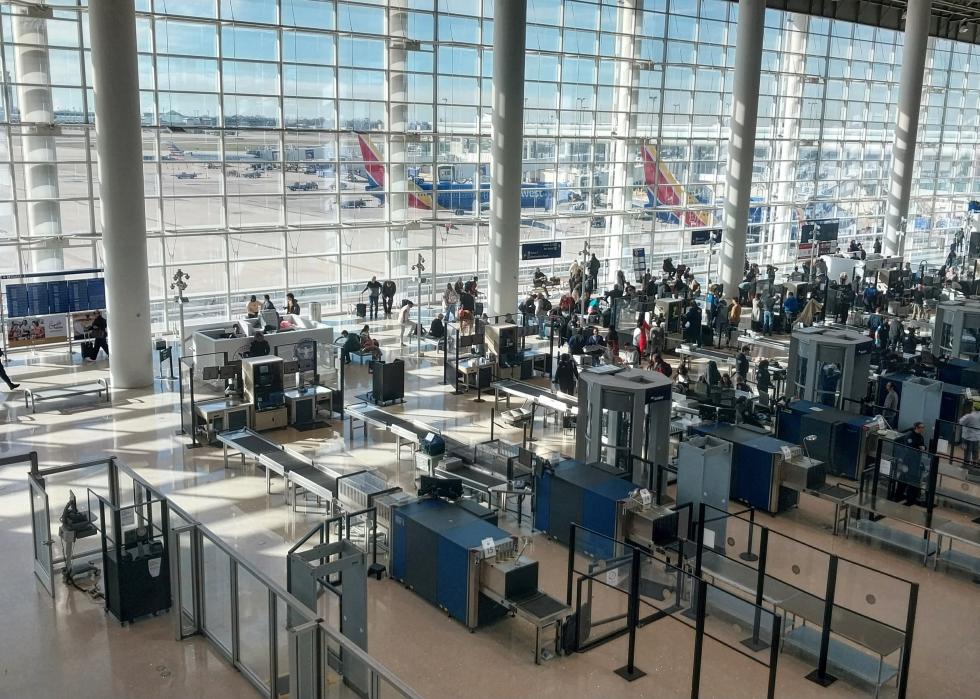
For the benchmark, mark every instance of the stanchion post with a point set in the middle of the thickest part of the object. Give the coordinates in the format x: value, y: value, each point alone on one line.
x: 820, y: 675
x: 702, y: 596
x: 748, y: 554
x: 571, y: 563
x: 630, y: 672
x: 754, y: 642
x: 903, y: 674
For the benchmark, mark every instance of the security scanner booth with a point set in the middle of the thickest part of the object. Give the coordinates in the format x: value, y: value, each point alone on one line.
x: 829, y: 366
x: 475, y: 571
x: 211, y: 399
x: 954, y: 400
x: 672, y: 312
x: 262, y: 381
x: 844, y: 441
x: 624, y: 413
x: 767, y: 473
x: 465, y: 361
x: 503, y: 342
x: 626, y: 312
x: 704, y: 475
x: 602, y: 499
x: 956, y: 333
x: 305, y: 396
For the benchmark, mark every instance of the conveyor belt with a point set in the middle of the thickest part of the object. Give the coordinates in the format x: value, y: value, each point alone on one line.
x: 472, y: 477
x: 409, y: 429
x: 248, y: 443
x: 542, y: 396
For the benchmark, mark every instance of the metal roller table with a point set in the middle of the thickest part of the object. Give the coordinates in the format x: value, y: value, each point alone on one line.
x: 411, y: 431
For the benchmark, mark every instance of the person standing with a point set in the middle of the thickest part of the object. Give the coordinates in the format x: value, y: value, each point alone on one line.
x: 918, y: 302
x: 768, y: 304
x: 910, y: 473
x: 373, y: 288
x: 449, y: 302
x: 259, y: 346
x: 889, y: 406
x: 566, y: 375
x: 267, y: 304
x: 100, y: 334
x: 3, y: 375
x: 970, y: 437
x: 253, y: 308
x: 734, y: 319
x: 594, y: 266
x: 292, y: 305
x: 876, y: 248
x: 405, y: 322
x: 388, y: 290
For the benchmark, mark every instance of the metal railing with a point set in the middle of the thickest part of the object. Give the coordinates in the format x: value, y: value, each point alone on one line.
x: 216, y: 593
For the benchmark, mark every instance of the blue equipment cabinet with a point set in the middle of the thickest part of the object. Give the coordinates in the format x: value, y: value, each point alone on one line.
x: 843, y: 439
x: 585, y: 494
x: 756, y: 467
x: 432, y: 552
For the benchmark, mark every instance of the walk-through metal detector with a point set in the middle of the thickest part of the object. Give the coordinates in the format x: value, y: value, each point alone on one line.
x: 339, y: 567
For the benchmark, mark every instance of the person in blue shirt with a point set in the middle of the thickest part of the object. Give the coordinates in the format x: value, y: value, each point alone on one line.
x: 791, y: 306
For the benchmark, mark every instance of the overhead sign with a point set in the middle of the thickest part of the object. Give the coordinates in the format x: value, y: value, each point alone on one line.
x: 703, y: 236
x: 541, y: 251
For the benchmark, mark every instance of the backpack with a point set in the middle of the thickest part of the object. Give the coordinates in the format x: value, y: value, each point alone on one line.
x: 545, y: 304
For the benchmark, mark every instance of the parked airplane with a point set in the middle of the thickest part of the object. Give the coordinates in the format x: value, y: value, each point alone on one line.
x: 450, y: 195
x: 175, y: 152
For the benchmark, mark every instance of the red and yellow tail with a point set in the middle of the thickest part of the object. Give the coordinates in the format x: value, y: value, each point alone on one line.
x: 664, y: 190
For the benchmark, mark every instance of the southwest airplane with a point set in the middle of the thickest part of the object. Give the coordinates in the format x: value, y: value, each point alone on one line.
x: 449, y: 194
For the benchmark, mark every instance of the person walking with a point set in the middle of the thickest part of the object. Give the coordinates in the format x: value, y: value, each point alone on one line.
x: 100, y: 335
x: 566, y: 375
x: 373, y: 288
x: 970, y: 437
x: 3, y: 375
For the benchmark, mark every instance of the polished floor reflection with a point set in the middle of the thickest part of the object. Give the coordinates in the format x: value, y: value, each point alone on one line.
x: 70, y: 648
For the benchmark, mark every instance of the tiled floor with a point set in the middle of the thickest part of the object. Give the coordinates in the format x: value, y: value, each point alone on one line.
x: 70, y: 648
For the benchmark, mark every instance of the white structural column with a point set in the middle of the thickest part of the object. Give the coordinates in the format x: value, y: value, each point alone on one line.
x: 622, y: 167
x: 112, y: 24
x: 32, y: 71
x: 398, y: 117
x: 741, y: 146
x: 790, y: 98
x: 907, y: 124
x: 509, y: 30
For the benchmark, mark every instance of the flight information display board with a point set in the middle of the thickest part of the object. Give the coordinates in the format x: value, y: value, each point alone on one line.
x: 55, y: 297
x: 17, y: 305
x: 58, y: 300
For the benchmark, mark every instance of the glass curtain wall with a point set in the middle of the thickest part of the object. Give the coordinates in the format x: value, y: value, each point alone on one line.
x: 271, y: 129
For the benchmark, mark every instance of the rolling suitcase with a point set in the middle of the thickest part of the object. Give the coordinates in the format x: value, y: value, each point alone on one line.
x: 360, y: 310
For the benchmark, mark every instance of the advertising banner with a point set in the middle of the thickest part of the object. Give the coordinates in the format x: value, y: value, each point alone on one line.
x: 37, y: 331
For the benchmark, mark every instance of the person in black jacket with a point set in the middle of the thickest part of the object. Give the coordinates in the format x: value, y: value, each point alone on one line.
x: 100, y: 334
x: 594, y: 267
x: 388, y: 290
x: 259, y: 347
x: 351, y: 343
x: 741, y: 364
x: 6, y: 379
x: 437, y: 328
x: 566, y: 374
